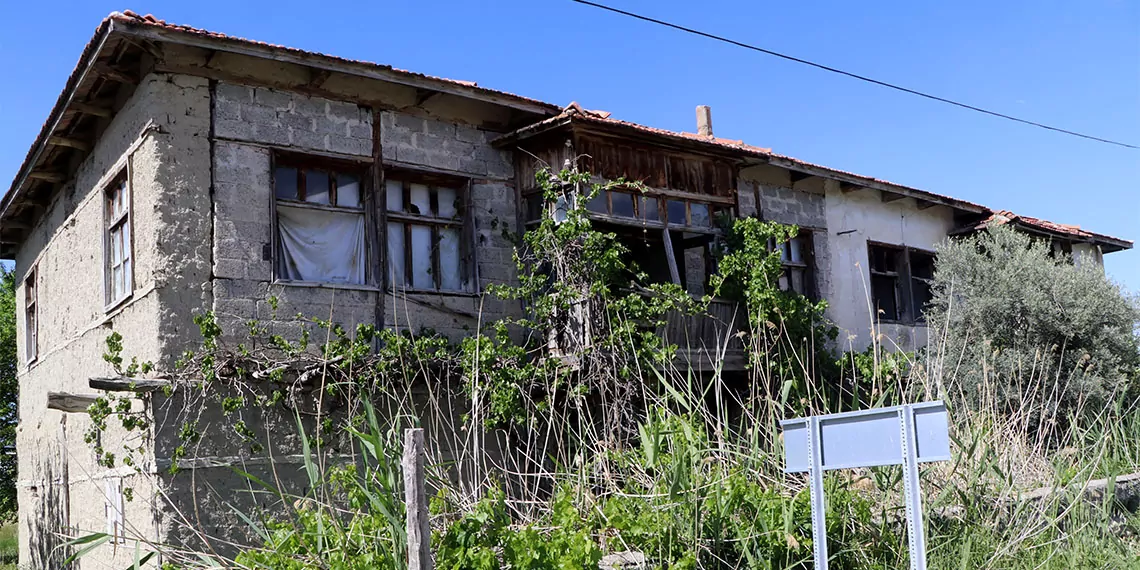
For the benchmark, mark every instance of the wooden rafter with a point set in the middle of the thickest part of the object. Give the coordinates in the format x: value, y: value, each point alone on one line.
x: 70, y: 403
x: 70, y: 142
x: 891, y: 196
x: 47, y: 175
x: 106, y: 71
x: 797, y: 176
x: 847, y: 187
x: 924, y: 204
x: 128, y: 384
x: 91, y: 109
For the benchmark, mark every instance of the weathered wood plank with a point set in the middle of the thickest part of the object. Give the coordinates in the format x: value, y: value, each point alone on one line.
x: 128, y: 384
x: 415, y: 501
x: 70, y: 143
x: 71, y: 403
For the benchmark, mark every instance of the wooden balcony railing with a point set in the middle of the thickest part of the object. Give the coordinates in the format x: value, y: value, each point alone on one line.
x: 717, y: 328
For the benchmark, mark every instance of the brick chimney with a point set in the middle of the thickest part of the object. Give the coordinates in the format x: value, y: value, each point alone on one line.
x: 704, y: 121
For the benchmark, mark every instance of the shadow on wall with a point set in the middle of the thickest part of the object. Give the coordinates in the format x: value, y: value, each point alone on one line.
x: 48, y: 526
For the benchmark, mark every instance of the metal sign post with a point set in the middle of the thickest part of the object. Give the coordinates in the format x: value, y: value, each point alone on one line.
x: 902, y: 435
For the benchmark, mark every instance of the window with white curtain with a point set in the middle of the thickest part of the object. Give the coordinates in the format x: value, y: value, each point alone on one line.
x: 321, y: 226
x: 427, y: 244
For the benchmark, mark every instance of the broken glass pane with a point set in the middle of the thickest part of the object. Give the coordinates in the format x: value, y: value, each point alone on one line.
x: 450, y: 278
x: 285, y: 182
x: 421, y: 257
x: 623, y: 204
x: 347, y: 191
x: 448, y: 203
x: 396, y: 253
x: 649, y: 209
x: 395, y: 195
x: 598, y: 203
x: 677, y: 213
x: 700, y: 215
x: 421, y: 200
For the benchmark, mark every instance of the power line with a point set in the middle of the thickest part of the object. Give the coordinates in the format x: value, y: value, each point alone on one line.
x: 848, y: 73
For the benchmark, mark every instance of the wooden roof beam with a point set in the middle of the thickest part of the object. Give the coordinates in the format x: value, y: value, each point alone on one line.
x: 70, y: 142
x: 888, y: 197
x: 49, y: 176
x: 847, y: 187
x: 924, y: 204
x: 117, y: 75
x: 91, y: 108
x: 70, y: 403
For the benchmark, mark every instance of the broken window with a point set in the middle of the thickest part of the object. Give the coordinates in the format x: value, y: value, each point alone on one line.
x: 796, y: 260
x: 649, y: 209
x: 427, y: 248
x: 118, y: 274
x: 901, y: 279
x: 31, y: 318
x: 320, y: 222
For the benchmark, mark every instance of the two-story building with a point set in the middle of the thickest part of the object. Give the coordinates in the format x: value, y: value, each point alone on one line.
x: 184, y: 171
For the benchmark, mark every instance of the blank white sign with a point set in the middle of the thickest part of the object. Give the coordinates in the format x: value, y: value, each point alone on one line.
x: 868, y: 438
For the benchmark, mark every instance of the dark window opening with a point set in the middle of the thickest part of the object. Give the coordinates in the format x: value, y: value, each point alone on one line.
x: 901, y: 281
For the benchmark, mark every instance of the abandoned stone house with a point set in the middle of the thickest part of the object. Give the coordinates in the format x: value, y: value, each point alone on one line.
x: 184, y: 171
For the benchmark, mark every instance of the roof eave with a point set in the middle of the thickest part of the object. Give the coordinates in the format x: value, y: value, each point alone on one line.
x: 151, y: 32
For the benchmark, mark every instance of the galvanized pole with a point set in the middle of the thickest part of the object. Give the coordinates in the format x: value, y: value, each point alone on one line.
x: 415, y: 501
x: 815, y: 489
x: 912, y: 491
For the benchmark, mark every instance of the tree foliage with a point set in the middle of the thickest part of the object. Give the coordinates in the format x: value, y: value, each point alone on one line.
x: 1034, y: 329
x: 9, y: 389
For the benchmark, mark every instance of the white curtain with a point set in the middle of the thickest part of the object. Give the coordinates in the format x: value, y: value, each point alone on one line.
x: 321, y: 245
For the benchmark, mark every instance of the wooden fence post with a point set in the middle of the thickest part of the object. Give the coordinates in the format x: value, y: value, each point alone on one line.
x: 415, y: 501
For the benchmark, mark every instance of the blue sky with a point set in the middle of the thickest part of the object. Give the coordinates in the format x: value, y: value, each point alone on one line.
x: 1075, y: 65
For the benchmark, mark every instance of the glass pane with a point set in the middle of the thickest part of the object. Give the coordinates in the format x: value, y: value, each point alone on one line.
x: 421, y: 258
x: 784, y: 281
x: 796, y: 246
x: 598, y: 203
x: 623, y: 204
x: 396, y: 253
x: 395, y: 195
x: 126, y: 254
x: 421, y: 200
x: 700, y: 215
x: 448, y: 202
x: 347, y: 191
x: 116, y: 282
x: 317, y: 186
x: 116, y: 249
x: 883, y: 292
x: 649, y: 209
x: 285, y: 182
x: 450, y: 278
x: 676, y: 213
x: 126, y: 277
x: 797, y: 276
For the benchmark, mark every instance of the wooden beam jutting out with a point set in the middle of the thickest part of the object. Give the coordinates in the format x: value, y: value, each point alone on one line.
x: 117, y: 75
x: 128, y: 384
x: 91, y: 109
x: 70, y: 403
x: 48, y: 176
x: 891, y: 196
x: 923, y: 204
x: 847, y: 187
x: 70, y: 143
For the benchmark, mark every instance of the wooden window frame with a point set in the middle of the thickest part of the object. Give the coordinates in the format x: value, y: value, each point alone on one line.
x: 807, y: 265
x: 331, y: 166
x: 463, y: 223
x: 117, y: 223
x: 908, y: 313
x: 31, y: 316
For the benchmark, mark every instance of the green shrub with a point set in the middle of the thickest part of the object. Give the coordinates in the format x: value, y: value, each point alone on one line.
x: 1020, y: 329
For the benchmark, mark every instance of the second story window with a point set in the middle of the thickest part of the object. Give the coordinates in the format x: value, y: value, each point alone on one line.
x: 321, y: 233
x: 427, y: 248
x: 31, y: 317
x: 118, y: 273
x: 900, y: 282
x: 796, y: 260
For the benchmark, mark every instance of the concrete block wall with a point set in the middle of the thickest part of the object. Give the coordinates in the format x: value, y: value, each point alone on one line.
x: 250, y: 122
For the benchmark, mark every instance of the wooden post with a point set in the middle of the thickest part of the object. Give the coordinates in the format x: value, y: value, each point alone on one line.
x: 415, y: 501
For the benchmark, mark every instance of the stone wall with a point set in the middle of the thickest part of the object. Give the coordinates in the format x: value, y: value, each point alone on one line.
x: 161, y: 132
